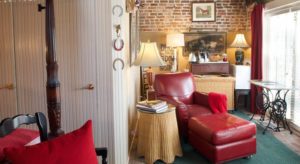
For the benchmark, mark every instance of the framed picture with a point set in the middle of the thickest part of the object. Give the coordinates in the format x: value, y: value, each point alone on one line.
x: 203, y: 11
x: 214, y: 43
x: 134, y: 37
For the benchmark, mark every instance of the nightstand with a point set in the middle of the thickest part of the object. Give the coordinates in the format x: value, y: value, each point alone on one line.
x: 158, y: 136
x: 242, y: 75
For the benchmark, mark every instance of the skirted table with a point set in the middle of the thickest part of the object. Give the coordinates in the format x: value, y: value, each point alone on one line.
x: 158, y: 136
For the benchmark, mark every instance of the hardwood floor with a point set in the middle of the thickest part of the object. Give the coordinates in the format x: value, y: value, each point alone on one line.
x: 291, y: 140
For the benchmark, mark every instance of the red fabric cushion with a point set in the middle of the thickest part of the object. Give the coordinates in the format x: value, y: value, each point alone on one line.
x: 18, y: 137
x: 75, y: 147
x: 217, y: 102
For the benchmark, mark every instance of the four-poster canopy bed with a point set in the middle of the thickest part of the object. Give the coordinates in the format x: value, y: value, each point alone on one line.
x: 53, y: 84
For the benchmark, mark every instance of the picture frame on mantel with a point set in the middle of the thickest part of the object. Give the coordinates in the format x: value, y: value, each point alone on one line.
x: 203, y: 11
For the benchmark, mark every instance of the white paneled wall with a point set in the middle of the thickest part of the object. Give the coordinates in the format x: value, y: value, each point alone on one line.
x: 8, y: 105
x: 119, y: 90
x: 29, y: 45
x: 23, y: 65
x: 84, y: 55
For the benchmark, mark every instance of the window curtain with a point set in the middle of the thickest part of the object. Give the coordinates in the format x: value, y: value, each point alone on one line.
x: 256, y: 48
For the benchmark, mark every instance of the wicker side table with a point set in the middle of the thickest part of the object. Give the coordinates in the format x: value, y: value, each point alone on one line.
x: 158, y: 136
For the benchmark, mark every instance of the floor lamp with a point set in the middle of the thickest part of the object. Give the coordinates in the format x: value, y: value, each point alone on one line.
x: 175, y: 40
x: 149, y: 57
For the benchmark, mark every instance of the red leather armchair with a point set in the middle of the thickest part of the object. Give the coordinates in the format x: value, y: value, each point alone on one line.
x: 219, y: 137
x: 179, y: 89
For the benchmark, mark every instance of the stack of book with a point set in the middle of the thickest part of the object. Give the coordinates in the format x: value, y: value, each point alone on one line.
x: 155, y: 106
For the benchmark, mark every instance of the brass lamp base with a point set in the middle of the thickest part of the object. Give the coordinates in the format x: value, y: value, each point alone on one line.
x: 150, y: 92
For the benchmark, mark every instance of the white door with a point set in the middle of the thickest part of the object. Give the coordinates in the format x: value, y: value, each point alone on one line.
x: 30, y: 57
x: 8, y: 105
x: 85, y: 71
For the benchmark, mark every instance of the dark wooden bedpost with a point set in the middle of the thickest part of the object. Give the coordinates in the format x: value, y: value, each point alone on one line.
x: 53, y: 84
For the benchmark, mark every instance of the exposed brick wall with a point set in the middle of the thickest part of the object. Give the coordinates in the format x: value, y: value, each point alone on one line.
x: 175, y: 15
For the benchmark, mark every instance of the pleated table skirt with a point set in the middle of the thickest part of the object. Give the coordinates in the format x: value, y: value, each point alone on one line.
x: 158, y: 136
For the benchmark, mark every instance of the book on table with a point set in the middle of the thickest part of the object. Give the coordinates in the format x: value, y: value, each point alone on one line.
x: 155, y: 106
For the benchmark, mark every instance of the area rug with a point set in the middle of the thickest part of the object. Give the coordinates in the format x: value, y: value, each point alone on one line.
x: 269, y: 151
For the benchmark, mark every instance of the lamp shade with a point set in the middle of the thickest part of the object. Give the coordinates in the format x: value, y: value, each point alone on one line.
x: 175, y: 40
x: 149, y: 56
x: 239, y: 41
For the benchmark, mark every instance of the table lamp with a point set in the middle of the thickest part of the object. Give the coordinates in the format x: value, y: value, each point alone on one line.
x: 149, y: 57
x: 175, y: 40
x: 239, y: 43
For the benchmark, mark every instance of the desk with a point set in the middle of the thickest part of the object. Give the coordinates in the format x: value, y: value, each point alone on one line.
x: 158, y: 136
x: 271, y: 95
x: 214, y: 83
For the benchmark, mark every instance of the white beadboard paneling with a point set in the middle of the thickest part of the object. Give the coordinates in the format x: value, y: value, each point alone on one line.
x: 103, y: 56
x: 8, y: 106
x: 83, y: 40
x: 119, y: 90
x: 29, y: 46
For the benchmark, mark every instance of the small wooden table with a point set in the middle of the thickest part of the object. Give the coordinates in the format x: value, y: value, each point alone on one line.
x: 158, y: 136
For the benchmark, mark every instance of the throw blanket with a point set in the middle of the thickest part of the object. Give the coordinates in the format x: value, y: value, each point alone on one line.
x: 217, y: 102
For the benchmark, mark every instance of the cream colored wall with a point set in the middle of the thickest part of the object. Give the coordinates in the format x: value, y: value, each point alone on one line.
x: 132, y: 86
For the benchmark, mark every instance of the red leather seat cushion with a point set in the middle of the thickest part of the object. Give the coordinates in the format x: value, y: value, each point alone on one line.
x: 195, y: 110
x: 192, y: 110
x: 75, y: 147
x: 221, y: 128
x: 17, y: 138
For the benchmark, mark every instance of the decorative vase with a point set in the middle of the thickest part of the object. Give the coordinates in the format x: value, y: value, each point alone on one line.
x: 239, y: 57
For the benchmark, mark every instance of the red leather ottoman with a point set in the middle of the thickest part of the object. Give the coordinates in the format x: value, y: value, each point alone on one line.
x: 222, y: 137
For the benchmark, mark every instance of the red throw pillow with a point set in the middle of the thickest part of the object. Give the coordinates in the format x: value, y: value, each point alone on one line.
x: 17, y: 138
x: 75, y: 147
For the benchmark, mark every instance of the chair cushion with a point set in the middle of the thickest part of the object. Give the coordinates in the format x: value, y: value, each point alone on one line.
x: 191, y: 110
x: 75, y: 147
x: 17, y: 138
x: 221, y: 128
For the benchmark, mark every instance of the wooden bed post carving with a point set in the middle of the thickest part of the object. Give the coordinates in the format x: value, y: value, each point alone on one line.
x: 53, y: 84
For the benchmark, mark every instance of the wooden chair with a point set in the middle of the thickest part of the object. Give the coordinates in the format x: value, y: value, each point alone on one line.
x: 8, y: 125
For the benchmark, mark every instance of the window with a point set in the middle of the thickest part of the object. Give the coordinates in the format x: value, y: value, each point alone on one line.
x: 281, y: 56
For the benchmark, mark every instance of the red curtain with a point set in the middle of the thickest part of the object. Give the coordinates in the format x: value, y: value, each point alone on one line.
x: 256, y: 48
